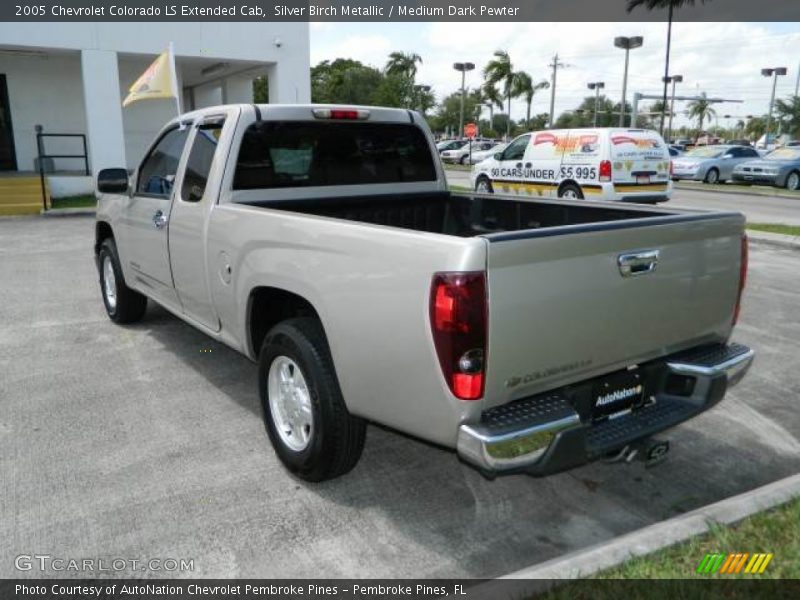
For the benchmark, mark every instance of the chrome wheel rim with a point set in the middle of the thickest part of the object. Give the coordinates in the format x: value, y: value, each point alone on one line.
x: 712, y: 177
x: 794, y: 181
x: 290, y: 403
x: 570, y: 194
x: 483, y: 187
x: 109, y: 283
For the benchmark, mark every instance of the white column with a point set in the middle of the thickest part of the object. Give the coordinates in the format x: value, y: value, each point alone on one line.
x: 289, y: 83
x: 101, y: 94
x: 237, y: 90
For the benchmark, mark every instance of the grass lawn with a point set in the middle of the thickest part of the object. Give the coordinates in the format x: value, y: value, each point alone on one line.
x: 82, y: 201
x: 456, y: 167
x: 775, y: 228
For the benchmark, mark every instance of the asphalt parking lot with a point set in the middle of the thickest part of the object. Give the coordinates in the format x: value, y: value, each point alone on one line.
x: 146, y: 442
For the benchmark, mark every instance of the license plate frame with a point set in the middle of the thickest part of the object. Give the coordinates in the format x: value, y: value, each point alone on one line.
x: 617, y: 393
x: 642, y: 179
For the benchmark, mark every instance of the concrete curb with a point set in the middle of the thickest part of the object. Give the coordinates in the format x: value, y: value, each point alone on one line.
x: 773, y: 239
x: 587, y: 562
x: 736, y: 189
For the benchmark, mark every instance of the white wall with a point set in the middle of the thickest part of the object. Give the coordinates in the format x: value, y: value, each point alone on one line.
x: 46, y: 91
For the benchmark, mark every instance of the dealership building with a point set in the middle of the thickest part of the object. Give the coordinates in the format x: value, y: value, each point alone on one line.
x: 71, y: 78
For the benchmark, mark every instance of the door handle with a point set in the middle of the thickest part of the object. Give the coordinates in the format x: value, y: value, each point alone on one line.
x: 637, y: 263
x: 159, y: 219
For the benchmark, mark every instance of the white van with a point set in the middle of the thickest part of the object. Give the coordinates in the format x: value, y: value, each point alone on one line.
x: 630, y: 165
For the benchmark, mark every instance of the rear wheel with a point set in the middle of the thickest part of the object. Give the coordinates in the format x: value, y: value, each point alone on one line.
x: 123, y: 304
x: 306, y: 419
x: 484, y: 186
x: 463, y: 160
x: 570, y: 191
x: 712, y: 176
x: 793, y: 181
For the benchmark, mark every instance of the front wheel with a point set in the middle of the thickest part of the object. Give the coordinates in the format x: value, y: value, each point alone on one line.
x: 463, y: 160
x: 306, y: 419
x: 123, y: 304
x: 793, y: 181
x: 483, y: 186
x: 712, y: 176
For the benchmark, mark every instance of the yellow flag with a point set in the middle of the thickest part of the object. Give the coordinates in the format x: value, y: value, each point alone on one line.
x: 158, y: 81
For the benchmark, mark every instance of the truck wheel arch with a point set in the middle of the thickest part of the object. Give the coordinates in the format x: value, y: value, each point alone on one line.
x: 268, y: 306
x: 102, y: 231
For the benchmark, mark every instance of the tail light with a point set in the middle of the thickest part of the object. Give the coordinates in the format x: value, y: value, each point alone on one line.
x: 458, y: 312
x: 605, y: 170
x: 742, y: 278
x: 341, y: 114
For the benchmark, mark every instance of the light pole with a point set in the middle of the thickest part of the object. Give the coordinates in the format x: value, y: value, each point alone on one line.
x: 596, y: 86
x: 774, y: 72
x: 463, y: 67
x: 672, y: 79
x: 627, y: 44
x: 555, y: 65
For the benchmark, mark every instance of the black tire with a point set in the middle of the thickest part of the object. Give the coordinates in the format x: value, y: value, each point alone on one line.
x: 570, y: 187
x: 709, y: 178
x: 337, y: 438
x: 463, y: 160
x: 130, y: 305
x: 793, y: 183
x: 488, y: 184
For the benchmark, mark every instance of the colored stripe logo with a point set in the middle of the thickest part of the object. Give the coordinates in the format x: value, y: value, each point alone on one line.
x: 734, y: 563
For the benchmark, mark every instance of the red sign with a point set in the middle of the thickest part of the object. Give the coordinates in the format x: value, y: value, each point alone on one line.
x: 470, y: 130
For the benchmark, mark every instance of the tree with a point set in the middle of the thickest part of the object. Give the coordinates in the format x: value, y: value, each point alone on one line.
x: 700, y: 109
x: 448, y: 113
x: 524, y: 86
x: 501, y: 71
x: 403, y: 64
x: 261, y: 90
x: 670, y: 5
x: 756, y: 127
x: 344, y: 81
x: 788, y: 111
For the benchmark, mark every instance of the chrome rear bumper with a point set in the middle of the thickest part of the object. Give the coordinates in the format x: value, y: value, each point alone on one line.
x: 554, y: 431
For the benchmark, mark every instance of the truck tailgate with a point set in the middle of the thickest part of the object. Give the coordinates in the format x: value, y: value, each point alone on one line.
x: 561, y: 310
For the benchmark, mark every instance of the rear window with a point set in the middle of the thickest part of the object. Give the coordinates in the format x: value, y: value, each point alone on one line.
x: 303, y: 153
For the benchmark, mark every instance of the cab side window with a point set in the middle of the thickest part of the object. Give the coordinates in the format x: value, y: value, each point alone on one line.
x: 157, y: 173
x: 516, y: 150
x: 201, y: 157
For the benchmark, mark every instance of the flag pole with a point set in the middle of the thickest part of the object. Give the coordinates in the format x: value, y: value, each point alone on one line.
x: 174, y: 78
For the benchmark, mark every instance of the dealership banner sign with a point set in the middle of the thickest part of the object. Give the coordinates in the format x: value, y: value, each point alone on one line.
x: 393, y: 10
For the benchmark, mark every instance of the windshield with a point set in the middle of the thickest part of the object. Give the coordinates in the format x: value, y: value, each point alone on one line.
x: 705, y: 153
x: 293, y: 154
x: 784, y: 154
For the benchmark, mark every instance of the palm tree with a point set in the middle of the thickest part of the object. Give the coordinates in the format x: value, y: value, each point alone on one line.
x: 524, y: 86
x: 788, y: 112
x: 670, y: 5
x: 403, y: 64
x: 700, y: 109
x: 500, y: 70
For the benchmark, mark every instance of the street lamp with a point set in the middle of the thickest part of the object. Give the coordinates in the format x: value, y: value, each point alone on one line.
x: 627, y: 44
x: 463, y: 67
x: 672, y: 79
x: 596, y: 86
x: 774, y: 74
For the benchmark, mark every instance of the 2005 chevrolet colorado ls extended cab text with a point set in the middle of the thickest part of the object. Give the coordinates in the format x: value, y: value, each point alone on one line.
x: 322, y: 242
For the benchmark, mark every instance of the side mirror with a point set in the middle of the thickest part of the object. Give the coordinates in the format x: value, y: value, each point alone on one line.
x: 112, y: 181
x: 498, y: 156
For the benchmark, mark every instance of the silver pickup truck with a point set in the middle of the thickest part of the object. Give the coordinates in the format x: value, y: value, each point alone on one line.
x: 323, y: 243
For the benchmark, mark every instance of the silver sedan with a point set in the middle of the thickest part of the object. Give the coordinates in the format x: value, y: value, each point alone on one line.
x: 711, y: 164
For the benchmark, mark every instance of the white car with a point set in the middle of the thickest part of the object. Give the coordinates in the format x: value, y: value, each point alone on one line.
x: 631, y: 165
x: 461, y: 155
x: 484, y: 154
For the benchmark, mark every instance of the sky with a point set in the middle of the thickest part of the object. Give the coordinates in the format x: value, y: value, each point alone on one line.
x: 722, y: 59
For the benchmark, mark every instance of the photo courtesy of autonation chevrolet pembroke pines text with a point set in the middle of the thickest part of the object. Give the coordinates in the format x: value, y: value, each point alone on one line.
x: 487, y: 300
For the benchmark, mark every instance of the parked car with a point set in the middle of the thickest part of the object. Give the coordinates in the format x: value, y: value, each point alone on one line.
x: 711, y: 164
x: 484, y: 154
x: 740, y: 143
x: 780, y: 168
x: 675, y: 151
x: 629, y: 165
x: 449, y: 145
x: 324, y: 244
x: 461, y: 154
